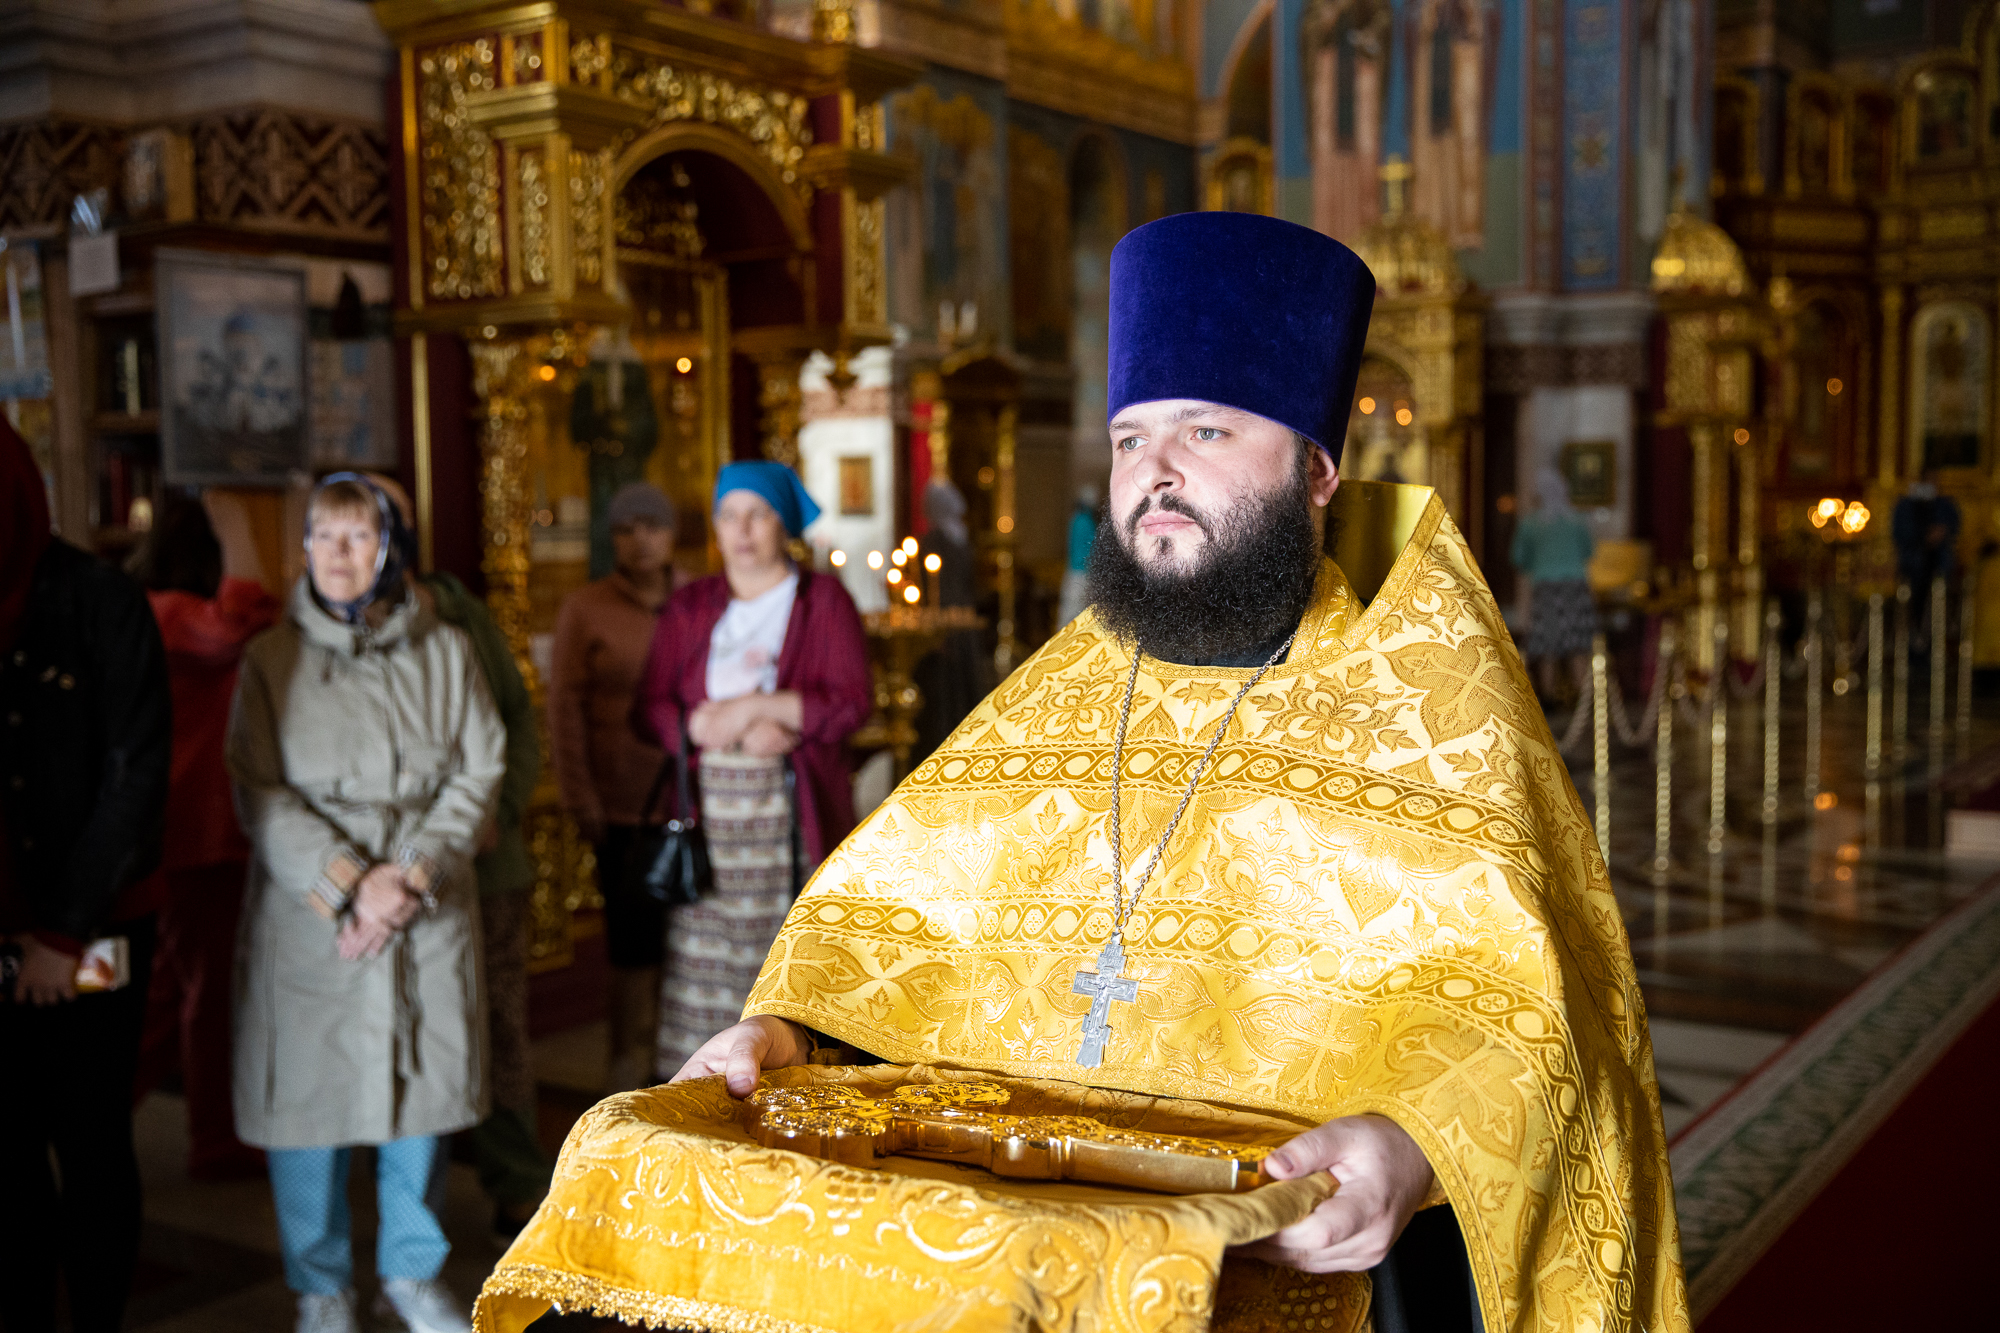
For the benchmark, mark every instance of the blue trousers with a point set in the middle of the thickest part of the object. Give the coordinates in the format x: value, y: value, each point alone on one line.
x: 315, y: 1228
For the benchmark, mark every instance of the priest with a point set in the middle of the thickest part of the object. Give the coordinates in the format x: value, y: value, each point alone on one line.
x: 1276, y: 831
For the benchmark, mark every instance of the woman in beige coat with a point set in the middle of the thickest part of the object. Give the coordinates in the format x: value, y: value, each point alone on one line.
x: 366, y: 754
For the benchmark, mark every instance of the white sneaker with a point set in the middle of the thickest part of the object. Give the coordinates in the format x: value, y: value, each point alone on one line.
x: 424, y: 1304
x: 328, y: 1314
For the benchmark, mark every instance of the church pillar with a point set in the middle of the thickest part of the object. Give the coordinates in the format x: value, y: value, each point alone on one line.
x: 1888, y: 445
x: 1702, y: 541
x: 778, y: 405
x: 1007, y: 653
x: 498, y: 371
x: 1713, y: 329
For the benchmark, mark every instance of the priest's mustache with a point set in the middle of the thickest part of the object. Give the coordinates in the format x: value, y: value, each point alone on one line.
x: 1170, y: 503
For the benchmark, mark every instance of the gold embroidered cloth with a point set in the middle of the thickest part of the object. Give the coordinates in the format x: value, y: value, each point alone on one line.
x: 664, y: 1211
x: 1385, y: 897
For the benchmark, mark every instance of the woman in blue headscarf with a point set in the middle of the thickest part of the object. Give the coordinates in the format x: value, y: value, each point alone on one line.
x: 366, y: 755
x: 764, y: 670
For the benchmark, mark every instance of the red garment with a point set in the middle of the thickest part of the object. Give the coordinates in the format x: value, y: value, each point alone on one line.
x: 205, y: 639
x: 825, y: 659
x: 24, y: 535
x: 188, y: 1012
x: 24, y: 528
x: 603, y: 634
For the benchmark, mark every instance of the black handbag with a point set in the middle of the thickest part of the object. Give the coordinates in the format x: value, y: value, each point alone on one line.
x: 669, y: 859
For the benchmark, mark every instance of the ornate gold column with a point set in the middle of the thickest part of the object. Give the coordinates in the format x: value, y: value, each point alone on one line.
x: 779, y: 402
x: 1007, y: 652
x: 500, y: 367
x: 1705, y: 295
x: 1431, y: 323
x: 1889, y: 442
x: 516, y: 124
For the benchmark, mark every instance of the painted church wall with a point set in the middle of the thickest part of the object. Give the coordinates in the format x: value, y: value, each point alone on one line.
x: 946, y: 231
x: 1554, y: 418
x: 996, y: 242
x: 1439, y: 83
x: 1223, y: 23
x: 847, y: 461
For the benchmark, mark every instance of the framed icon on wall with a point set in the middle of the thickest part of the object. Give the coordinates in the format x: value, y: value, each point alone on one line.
x: 857, y: 485
x: 232, y: 339
x: 1591, y: 469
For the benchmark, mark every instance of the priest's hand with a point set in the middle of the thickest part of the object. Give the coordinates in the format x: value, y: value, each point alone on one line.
x: 1383, y: 1179
x: 743, y: 1052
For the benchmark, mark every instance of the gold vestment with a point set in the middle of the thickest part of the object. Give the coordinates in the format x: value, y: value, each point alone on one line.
x: 1385, y: 897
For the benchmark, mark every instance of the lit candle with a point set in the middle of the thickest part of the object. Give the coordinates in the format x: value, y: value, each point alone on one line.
x: 910, y: 594
x: 838, y: 559
x: 932, y: 564
x: 909, y: 547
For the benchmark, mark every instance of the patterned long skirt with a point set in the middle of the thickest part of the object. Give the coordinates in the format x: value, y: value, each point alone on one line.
x: 1562, y: 617
x: 716, y: 947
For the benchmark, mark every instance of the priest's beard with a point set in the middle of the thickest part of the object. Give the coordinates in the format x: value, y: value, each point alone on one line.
x: 1247, y: 589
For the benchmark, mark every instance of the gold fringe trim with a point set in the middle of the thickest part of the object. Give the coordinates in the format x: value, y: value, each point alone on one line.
x: 570, y: 1292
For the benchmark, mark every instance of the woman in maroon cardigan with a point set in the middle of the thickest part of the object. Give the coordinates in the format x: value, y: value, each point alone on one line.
x: 765, y: 667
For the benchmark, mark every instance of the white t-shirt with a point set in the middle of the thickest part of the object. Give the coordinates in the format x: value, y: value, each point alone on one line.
x: 743, y: 651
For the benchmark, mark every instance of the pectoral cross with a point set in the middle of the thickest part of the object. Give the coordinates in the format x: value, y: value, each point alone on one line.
x: 1103, y: 986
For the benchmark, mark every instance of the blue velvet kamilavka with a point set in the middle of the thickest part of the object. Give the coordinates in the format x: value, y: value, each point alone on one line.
x: 1248, y: 311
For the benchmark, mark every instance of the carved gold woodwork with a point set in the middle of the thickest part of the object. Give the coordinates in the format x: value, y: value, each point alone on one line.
x: 1909, y: 215
x: 500, y: 370
x: 521, y: 125
x: 1430, y: 324
x: 779, y: 403
x: 1236, y: 177
x: 1714, y: 331
x: 963, y: 1123
x: 1058, y: 59
x: 973, y: 442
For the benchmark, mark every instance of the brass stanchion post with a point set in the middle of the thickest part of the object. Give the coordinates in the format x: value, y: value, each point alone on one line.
x: 1940, y: 677
x: 1718, y: 765
x: 1871, y: 762
x: 1815, y: 663
x: 1718, y: 739
x: 1939, y: 647
x: 1600, y: 726
x: 1899, y: 701
x: 1966, y: 603
x: 1663, y: 778
x: 1773, y: 699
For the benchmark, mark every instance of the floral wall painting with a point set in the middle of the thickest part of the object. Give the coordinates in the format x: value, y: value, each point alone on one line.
x: 233, y: 334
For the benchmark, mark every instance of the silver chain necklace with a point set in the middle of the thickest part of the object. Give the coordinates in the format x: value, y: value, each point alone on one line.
x: 1106, y: 983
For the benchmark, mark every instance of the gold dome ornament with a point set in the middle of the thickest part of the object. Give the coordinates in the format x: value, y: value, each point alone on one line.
x: 1697, y: 258
x: 1406, y: 254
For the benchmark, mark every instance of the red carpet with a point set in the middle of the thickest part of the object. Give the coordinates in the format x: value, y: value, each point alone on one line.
x: 1901, y: 1236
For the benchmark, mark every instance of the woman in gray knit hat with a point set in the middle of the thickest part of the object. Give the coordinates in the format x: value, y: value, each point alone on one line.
x: 602, y: 635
